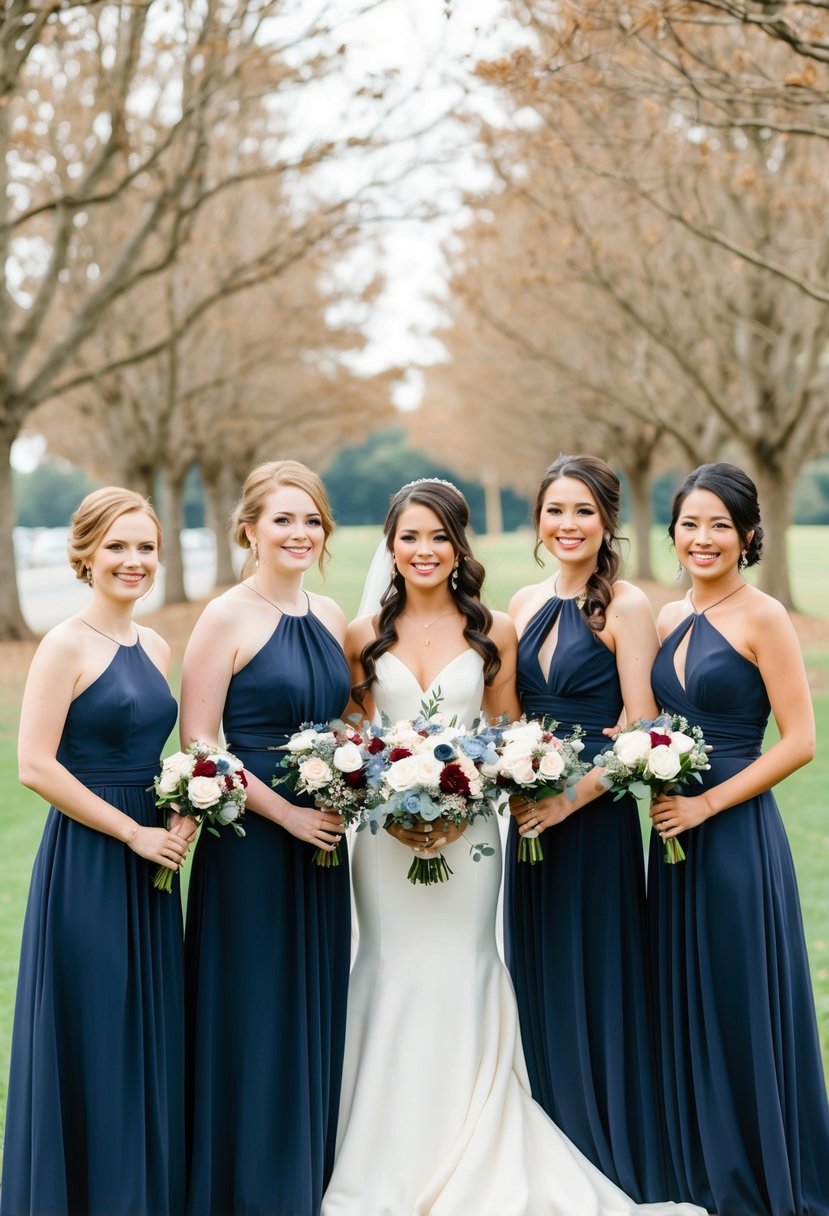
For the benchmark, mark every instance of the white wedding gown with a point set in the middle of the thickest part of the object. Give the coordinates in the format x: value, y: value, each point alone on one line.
x: 436, y: 1117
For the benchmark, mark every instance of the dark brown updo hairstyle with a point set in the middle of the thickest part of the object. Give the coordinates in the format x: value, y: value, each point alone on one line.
x: 94, y: 517
x: 258, y: 485
x: 452, y: 510
x: 605, y: 487
x: 738, y: 494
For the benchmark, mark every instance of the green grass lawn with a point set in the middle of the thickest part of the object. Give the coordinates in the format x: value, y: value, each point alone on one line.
x: 510, y: 564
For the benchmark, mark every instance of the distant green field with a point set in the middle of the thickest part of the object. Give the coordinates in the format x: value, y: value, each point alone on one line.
x: 510, y: 564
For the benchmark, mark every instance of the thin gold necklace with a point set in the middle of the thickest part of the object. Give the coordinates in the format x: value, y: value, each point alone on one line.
x: 702, y: 611
x: 410, y: 617
x: 580, y: 597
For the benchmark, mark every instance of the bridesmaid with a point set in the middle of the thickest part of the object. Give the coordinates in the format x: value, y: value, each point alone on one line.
x: 95, y: 1115
x: 575, y: 938
x: 268, y: 932
x: 746, y: 1104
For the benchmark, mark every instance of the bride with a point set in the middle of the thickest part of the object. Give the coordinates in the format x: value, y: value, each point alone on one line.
x: 436, y: 1117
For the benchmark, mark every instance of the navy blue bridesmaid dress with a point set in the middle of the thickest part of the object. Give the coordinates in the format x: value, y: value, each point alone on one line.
x: 574, y: 932
x: 95, y: 1115
x: 746, y: 1107
x: 267, y: 953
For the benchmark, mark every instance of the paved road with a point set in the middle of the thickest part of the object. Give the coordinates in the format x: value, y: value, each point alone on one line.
x: 49, y: 594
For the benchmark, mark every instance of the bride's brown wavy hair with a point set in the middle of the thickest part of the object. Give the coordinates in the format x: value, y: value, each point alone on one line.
x: 605, y: 487
x: 452, y: 510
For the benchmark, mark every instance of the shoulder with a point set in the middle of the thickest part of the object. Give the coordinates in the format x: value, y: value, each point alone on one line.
x: 330, y: 613
x: 502, y: 630
x: 360, y: 632
x: 767, y: 619
x: 628, y: 600
x: 226, y: 612
x: 671, y: 614
x: 66, y: 644
x: 155, y: 646
x: 527, y: 600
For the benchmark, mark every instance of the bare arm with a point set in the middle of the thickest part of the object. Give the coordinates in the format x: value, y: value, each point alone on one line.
x: 56, y: 670
x: 632, y: 632
x: 501, y: 697
x: 208, y: 667
x: 776, y: 650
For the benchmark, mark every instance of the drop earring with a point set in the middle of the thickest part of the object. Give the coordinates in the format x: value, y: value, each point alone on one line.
x: 454, y: 576
x: 254, y: 548
x: 394, y: 570
x: 680, y: 570
x: 742, y: 561
x: 89, y: 575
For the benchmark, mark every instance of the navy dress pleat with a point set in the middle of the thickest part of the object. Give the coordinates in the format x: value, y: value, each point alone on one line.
x: 575, y: 937
x: 746, y: 1107
x: 95, y: 1114
x: 268, y: 945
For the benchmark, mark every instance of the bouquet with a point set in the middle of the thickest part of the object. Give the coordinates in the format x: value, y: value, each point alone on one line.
x: 337, y: 764
x: 207, y: 784
x: 536, y: 763
x: 433, y: 772
x: 652, y: 758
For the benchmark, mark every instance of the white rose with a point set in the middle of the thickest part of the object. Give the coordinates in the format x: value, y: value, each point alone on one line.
x: 203, y: 792
x: 664, y: 762
x: 519, y: 768
x: 402, y: 735
x: 527, y: 733
x: 181, y: 764
x: 168, y: 782
x: 402, y: 775
x: 632, y: 746
x: 551, y: 765
x: 228, y: 812
x: 302, y: 741
x: 315, y: 773
x: 682, y: 742
x: 428, y: 770
x: 348, y: 758
x: 491, y: 770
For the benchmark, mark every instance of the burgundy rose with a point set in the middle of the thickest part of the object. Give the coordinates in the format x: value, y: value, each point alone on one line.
x: 375, y: 745
x: 204, y: 768
x: 228, y: 783
x: 659, y: 740
x: 453, y: 780
x: 398, y: 753
x: 356, y: 780
x: 242, y: 778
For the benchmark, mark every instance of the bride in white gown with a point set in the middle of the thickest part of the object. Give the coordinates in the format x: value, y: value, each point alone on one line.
x: 436, y: 1117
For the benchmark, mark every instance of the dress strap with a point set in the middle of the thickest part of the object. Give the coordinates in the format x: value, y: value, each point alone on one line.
x: 109, y: 635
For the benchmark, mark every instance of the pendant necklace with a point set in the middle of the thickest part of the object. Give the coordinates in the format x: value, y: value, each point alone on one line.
x: 702, y: 611
x: 580, y: 598
x: 427, y: 641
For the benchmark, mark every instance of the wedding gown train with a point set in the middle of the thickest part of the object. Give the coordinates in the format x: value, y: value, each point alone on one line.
x: 436, y: 1117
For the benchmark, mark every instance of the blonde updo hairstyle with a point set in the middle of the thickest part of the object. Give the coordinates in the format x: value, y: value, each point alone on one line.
x: 260, y: 482
x: 95, y: 516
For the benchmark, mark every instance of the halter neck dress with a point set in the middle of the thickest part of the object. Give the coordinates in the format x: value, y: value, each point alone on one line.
x: 267, y: 957
x: 95, y: 1113
x: 575, y: 936
x: 746, y: 1108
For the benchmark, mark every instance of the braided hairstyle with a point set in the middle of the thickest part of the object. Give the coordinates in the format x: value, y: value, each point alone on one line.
x: 452, y: 510
x: 604, y: 485
x: 738, y: 494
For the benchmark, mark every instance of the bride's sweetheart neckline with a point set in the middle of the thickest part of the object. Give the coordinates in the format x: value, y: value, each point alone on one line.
x: 438, y: 675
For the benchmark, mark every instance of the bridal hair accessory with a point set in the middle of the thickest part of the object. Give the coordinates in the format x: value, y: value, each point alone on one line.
x: 441, y: 481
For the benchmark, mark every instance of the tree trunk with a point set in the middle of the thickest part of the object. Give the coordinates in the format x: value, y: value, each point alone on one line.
x: 492, y: 501
x: 12, y: 625
x: 173, y: 516
x: 639, y: 491
x: 219, y: 489
x: 775, y: 487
